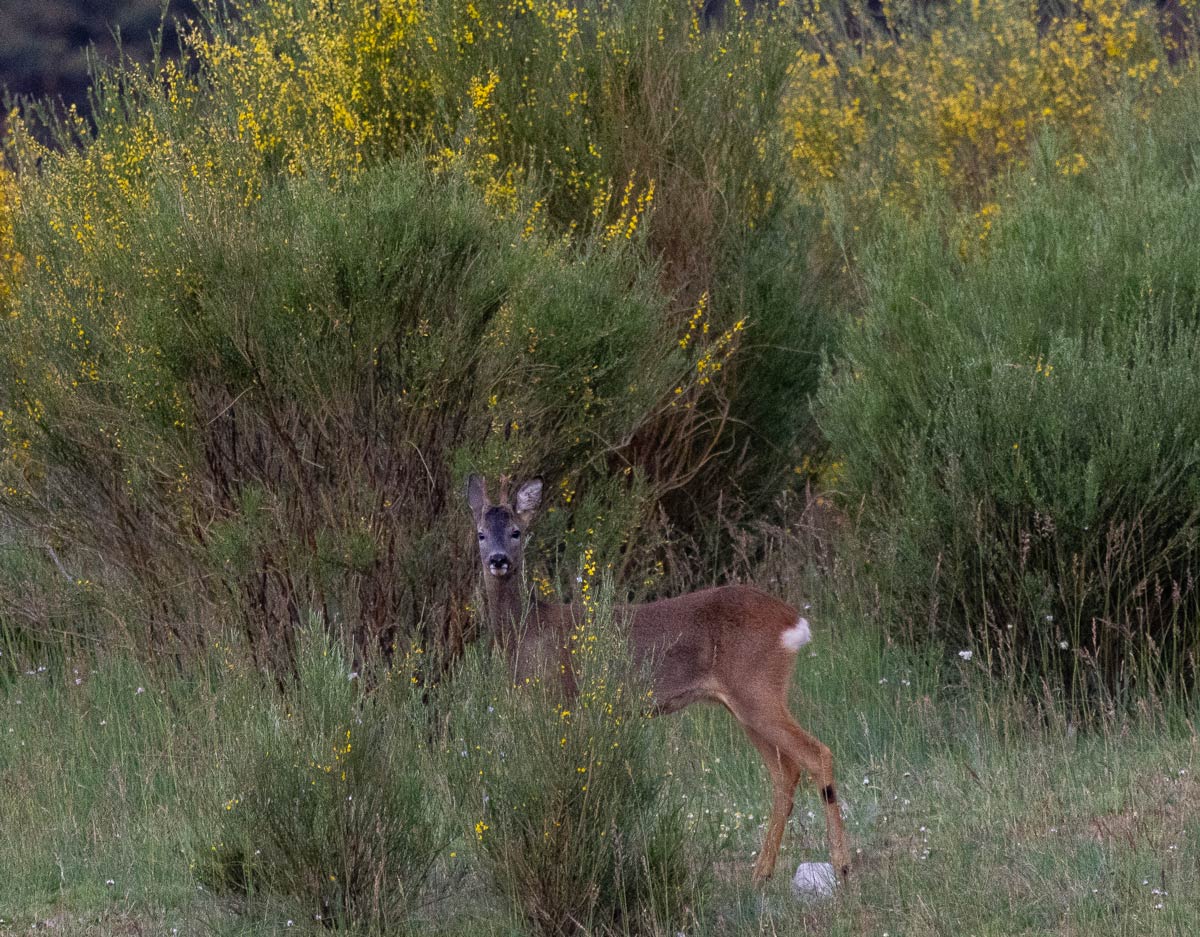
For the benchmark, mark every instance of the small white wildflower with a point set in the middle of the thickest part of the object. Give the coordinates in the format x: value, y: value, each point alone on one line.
x: 109, y: 882
x: 966, y: 655
x: 140, y: 690
x: 290, y: 923
x: 491, y: 709
x: 1063, y: 645
x: 78, y: 681
x: 882, y: 681
x: 866, y: 781
x: 353, y: 674
x: 1049, y: 618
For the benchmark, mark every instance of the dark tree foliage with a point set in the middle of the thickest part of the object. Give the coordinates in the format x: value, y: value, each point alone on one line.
x: 44, y: 44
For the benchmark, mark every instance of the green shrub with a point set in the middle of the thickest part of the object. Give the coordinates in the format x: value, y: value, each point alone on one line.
x: 252, y: 346
x: 329, y: 805
x: 568, y: 801
x: 1016, y: 415
x: 623, y: 119
x: 274, y: 402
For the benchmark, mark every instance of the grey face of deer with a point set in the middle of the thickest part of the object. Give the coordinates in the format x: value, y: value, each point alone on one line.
x: 500, y: 528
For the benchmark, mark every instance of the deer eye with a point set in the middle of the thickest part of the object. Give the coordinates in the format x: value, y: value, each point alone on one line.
x: 516, y: 535
x: 481, y: 536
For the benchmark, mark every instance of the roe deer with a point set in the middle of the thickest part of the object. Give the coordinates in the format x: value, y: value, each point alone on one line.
x: 732, y: 645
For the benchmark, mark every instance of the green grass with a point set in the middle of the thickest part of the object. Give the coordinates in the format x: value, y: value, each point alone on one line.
x: 968, y: 813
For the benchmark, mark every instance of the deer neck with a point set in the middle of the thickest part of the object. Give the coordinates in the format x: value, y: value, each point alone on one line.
x: 509, y: 607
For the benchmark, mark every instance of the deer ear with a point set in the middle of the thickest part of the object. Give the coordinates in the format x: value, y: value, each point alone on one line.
x: 529, y: 496
x: 476, y: 494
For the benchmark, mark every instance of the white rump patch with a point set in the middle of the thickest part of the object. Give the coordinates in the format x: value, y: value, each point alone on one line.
x: 796, y: 636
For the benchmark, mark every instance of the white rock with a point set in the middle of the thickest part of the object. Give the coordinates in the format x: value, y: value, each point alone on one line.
x: 814, y: 880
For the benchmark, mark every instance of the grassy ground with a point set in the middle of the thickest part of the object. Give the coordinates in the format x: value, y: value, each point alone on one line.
x: 986, y: 232
x: 968, y: 813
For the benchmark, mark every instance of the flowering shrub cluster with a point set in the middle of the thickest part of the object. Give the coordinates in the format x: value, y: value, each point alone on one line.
x: 258, y: 319
x: 1019, y: 421
x: 948, y: 95
x: 151, y: 367
x: 11, y: 446
x: 9, y: 258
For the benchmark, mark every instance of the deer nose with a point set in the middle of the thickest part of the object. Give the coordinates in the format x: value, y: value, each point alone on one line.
x: 498, y: 563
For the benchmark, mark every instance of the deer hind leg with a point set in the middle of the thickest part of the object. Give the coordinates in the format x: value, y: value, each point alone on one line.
x: 789, y: 752
x: 817, y: 760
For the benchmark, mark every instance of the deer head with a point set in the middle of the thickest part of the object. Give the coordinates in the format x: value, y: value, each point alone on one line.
x: 501, y: 527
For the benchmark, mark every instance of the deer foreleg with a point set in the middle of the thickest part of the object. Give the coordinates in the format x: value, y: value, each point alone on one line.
x: 785, y: 775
